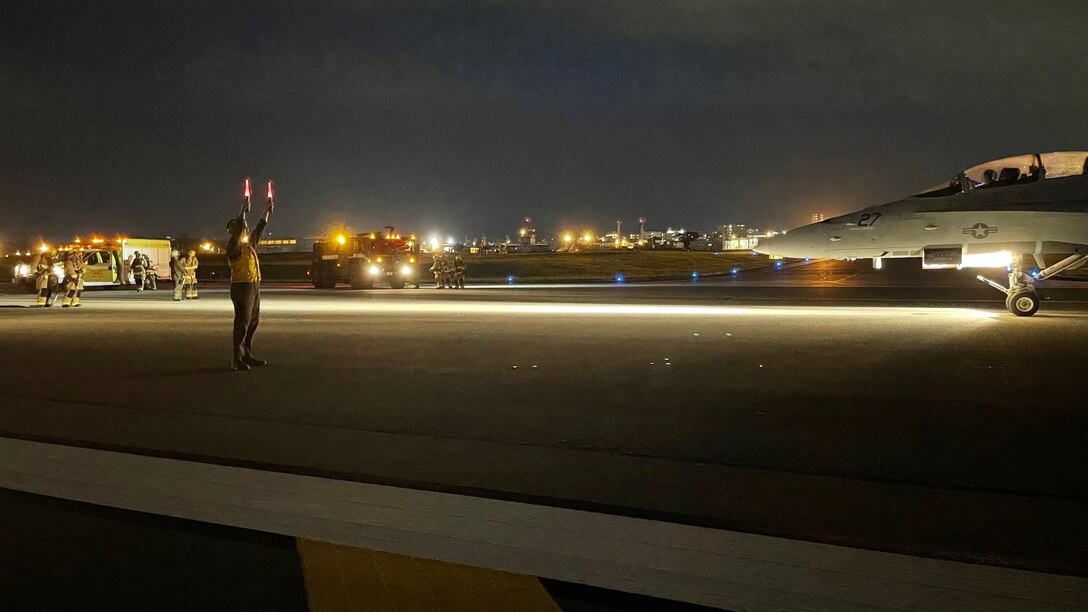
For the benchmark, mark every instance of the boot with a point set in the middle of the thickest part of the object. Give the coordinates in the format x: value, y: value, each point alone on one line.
x: 238, y: 365
x: 252, y: 361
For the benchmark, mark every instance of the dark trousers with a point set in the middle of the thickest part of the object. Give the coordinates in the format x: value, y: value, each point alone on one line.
x: 247, y: 312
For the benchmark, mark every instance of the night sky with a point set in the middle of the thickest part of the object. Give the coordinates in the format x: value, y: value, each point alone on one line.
x: 463, y: 117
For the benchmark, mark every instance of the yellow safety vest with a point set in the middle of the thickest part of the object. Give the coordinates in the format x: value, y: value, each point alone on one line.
x: 246, y: 268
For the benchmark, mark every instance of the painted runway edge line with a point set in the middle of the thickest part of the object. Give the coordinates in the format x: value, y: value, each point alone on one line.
x: 684, y: 563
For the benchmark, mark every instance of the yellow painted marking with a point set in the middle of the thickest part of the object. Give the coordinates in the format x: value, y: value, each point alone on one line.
x: 342, y: 578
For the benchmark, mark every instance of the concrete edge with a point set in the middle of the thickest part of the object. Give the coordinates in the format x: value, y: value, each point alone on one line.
x: 732, y: 570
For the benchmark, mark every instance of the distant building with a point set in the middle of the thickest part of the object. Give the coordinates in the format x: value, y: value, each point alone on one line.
x: 732, y: 231
x: 285, y: 245
x: 816, y: 217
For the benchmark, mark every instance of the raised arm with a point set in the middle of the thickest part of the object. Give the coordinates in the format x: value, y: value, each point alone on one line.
x: 269, y: 206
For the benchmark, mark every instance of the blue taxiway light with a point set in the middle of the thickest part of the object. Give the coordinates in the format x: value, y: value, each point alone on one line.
x: 734, y: 271
x: 778, y: 264
x: 695, y: 275
x: 619, y: 278
x: 510, y: 280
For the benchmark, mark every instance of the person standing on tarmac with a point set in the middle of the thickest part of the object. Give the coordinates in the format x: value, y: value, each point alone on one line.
x: 138, y: 270
x: 177, y: 274
x: 44, y: 280
x: 191, y: 263
x: 436, y: 268
x: 151, y: 274
x: 459, y: 269
x: 245, y: 280
x: 73, y: 279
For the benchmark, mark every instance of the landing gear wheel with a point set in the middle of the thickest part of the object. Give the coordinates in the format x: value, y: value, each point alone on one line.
x: 1023, y: 303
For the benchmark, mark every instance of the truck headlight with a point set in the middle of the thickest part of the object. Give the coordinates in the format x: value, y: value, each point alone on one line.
x: 375, y: 270
x: 406, y: 271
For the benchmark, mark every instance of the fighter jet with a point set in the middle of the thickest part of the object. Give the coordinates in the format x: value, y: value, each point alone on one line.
x: 992, y: 215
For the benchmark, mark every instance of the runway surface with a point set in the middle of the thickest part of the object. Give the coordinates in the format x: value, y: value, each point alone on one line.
x: 888, y: 412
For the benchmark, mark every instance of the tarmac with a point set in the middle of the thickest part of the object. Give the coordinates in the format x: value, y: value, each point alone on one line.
x: 893, y: 410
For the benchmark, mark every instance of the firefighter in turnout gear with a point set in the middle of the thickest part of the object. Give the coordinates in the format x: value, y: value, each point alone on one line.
x: 459, y: 269
x: 138, y: 270
x: 436, y: 269
x: 73, y: 279
x: 245, y: 280
x: 44, y: 279
x: 151, y: 275
x: 190, y: 263
x: 177, y: 274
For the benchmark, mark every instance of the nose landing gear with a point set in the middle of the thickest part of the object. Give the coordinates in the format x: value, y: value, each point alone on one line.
x: 1021, y: 299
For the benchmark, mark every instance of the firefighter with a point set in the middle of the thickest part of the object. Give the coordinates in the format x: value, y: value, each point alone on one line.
x: 151, y: 275
x: 191, y: 263
x: 73, y: 279
x: 459, y: 269
x: 245, y: 282
x: 177, y: 274
x: 44, y: 280
x: 138, y: 270
x: 437, y: 266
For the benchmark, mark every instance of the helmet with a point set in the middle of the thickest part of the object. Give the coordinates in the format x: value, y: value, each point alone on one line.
x: 192, y: 253
x: 174, y: 253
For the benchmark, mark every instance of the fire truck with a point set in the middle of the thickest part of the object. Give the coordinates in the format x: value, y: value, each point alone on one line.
x: 108, y: 262
x: 365, y: 260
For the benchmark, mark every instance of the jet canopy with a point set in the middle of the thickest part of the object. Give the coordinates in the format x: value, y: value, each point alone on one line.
x: 1015, y: 170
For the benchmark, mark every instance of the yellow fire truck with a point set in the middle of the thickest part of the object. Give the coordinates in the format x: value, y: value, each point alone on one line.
x: 109, y: 261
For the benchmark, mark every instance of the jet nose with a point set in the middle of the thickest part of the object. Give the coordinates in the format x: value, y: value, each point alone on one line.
x: 807, y: 241
x: 765, y: 246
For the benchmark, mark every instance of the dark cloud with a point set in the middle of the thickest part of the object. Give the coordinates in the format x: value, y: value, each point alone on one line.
x: 466, y: 116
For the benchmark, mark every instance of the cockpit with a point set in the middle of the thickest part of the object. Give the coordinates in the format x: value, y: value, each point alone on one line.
x: 1015, y: 170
